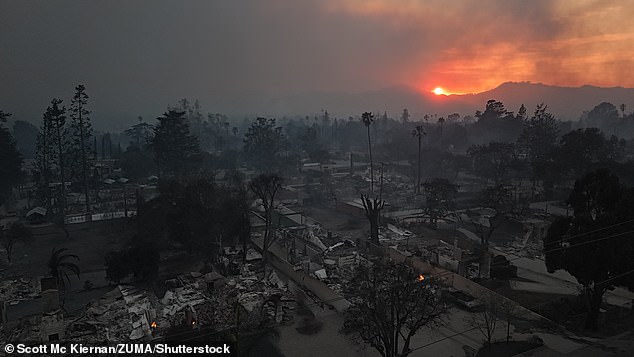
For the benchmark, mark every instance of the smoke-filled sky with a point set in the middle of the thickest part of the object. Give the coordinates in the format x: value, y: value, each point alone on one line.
x: 134, y: 56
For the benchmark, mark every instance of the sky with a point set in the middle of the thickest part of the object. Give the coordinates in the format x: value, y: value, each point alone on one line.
x: 137, y: 57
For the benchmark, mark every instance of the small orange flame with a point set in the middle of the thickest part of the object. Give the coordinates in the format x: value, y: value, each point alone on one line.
x: 153, y: 324
x: 421, y: 277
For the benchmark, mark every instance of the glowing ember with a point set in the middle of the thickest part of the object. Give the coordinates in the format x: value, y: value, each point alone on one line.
x: 421, y: 277
x: 193, y: 322
x: 153, y: 324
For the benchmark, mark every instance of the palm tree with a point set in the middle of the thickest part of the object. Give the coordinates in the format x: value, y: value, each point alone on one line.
x: 418, y: 133
x: 61, y: 265
x: 367, y: 119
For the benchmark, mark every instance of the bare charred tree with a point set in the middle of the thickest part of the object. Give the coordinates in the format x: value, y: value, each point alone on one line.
x: 373, y: 209
x: 265, y: 187
x: 390, y: 304
x: 418, y: 133
x: 487, y: 319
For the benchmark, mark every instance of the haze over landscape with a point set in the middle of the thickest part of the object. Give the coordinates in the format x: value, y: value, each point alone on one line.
x: 341, y: 178
x: 278, y: 58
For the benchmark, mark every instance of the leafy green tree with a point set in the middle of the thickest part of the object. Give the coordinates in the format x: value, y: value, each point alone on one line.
x: 81, y: 146
x: 175, y: 149
x: 596, y: 245
x: 391, y: 303
x: 262, y: 144
x: 11, y: 159
x: 61, y: 265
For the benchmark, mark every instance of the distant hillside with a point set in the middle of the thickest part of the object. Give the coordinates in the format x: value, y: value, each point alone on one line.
x: 568, y: 103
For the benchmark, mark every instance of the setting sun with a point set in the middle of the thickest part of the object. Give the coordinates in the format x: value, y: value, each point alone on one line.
x: 439, y: 91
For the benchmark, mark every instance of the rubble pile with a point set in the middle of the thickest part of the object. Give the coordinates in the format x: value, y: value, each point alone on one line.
x: 122, y: 314
x: 18, y: 289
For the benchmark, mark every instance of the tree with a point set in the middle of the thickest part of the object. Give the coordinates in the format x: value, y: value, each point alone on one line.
x: 582, y: 149
x: 16, y: 233
x: 494, y: 160
x: 265, y: 188
x: 11, y: 159
x: 390, y: 304
x: 45, y: 159
x: 174, y: 147
x: 367, y: 119
x: 418, y: 133
x: 57, y: 117
x: 497, y: 123
x: 140, y: 133
x: 539, y: 137
x: 500, y: 199
x: 596, y: 244
x: 262, y: 143
x: 441, y: 122
x: 372, y: 208
x: 405, y: 116
x: 439, y: 196
x: 486, y: 320
x: 82, y: 132
x: 61, y: 265
x: 25, y: 135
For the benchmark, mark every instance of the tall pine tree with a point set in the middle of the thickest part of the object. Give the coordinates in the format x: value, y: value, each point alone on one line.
x: 174, y: 147
x: 81, y: 136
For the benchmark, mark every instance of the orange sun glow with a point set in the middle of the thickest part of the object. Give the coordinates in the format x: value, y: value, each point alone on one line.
x: 439, y: 91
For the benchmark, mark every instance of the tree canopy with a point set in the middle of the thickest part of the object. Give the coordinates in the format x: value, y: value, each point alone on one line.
x: 390, y: 304
x: 11, y: 159
x: 596, y: 245
x: 174, y: 147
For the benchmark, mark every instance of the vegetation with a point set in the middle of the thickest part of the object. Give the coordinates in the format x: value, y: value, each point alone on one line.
x: 595, y: 245
x: 61, y: 265
x: 11, y: 159
x: 390, y: 304
x: 175, y: 148
x: 80, y: 147
x: 17, y: 232
x: 265, y: 187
